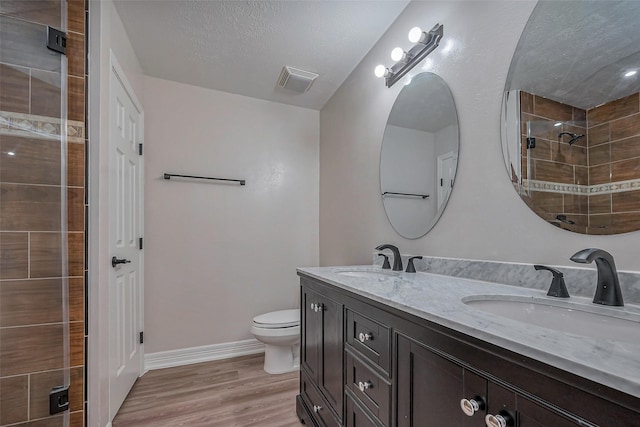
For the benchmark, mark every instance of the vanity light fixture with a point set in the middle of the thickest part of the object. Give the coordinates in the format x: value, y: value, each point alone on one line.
x: 425, y: 43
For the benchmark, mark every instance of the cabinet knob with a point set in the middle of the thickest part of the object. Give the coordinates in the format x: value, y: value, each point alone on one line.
x: 364, y: 385
x: 364, y: 337
x: 313, y: 306
x: 471, y: 406
x: 316, y: 408
x: 317, y: 307
x: 500, y: 420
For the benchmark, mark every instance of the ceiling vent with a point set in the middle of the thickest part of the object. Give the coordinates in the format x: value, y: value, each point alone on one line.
x: 296, y: 80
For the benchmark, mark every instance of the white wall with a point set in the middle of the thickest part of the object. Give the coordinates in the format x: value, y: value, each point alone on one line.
x: 216, y: 255
x: 106, y: 33
x: 485, y: 219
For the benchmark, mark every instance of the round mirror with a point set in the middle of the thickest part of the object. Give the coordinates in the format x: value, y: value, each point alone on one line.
x: 419, y: 155
x: 571, y: 115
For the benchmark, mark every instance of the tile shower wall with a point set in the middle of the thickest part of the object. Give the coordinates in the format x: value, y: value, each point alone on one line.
x: 553, y: 159
x: 614, y: 157
x: 31, y: 276
x: 601, y: 172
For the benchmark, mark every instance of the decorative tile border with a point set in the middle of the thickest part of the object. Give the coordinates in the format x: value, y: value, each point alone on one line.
x: 555, y: 187
x: 32, y: 126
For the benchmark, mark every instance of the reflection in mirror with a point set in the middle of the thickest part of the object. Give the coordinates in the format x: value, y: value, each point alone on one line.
x: 571, y: 115
x: 419, y: 155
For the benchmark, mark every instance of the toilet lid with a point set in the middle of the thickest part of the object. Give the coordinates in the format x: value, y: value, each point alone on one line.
x: 278, y: 319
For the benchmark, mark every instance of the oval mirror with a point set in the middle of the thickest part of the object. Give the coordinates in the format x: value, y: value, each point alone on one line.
x: 419, y: 155
x: 571, y: 115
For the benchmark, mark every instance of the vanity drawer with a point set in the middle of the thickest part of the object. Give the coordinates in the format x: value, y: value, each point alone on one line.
x: 370, y: 388
x: 316, y: 403
x: 370, y: 338
x: 357, y: 416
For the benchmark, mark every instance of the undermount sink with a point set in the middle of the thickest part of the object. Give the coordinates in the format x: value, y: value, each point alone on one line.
x: 367, y: 274
x: 563, y: 316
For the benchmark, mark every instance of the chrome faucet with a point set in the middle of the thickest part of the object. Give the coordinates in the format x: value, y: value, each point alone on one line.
x: 397, y: 260
x: 608, y: 290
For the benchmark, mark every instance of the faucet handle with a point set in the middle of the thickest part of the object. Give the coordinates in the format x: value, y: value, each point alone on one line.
x: 558, y: 288
x: 385, y: 263
x: 410, y: 267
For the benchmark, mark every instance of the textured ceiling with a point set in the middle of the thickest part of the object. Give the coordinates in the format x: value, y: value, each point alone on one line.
x: 576, y: 52
x: 241, y: 46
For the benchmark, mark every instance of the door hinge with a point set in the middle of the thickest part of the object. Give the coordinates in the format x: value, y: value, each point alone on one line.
x: 56, y: 40
x: 140, y: 149
x: 142, y: 337
x: 140, y: 243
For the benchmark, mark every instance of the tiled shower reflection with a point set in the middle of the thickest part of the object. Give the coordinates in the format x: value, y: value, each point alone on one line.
x: 42, y: 208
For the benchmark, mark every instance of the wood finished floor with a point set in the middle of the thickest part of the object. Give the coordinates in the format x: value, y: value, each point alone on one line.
x: 224, y: 393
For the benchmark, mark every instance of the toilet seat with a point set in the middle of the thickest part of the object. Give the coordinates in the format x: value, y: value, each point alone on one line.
x: 278, y: 319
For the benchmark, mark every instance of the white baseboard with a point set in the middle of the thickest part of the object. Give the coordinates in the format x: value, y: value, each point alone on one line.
x: 187, y: 356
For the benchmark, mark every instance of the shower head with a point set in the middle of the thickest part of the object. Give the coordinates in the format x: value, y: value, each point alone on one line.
x: 574, y: 137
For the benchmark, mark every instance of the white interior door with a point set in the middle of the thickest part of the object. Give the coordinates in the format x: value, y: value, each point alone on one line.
x: 446, y: 173
x: 125, y: 230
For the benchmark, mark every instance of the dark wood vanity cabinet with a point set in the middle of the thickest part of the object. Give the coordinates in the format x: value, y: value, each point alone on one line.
x: 322, y: 356
x: 376, y: 366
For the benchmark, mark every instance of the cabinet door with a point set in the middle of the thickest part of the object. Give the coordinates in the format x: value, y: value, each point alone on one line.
x: 430, y: 388
x: 532, y: 415
x: 311, y: 340
x: 331, y: 381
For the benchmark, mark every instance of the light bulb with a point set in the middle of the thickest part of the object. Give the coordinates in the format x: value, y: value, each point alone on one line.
x: 380, y: 71
x: 630, y: 73
x: 11, y: 153
x: 415, y: 34
x: 397, y: 54
x: 558, y: 124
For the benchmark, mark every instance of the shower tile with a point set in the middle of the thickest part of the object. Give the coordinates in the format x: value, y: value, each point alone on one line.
x: 626, y: 222
x: 31, y: 349
x: 76, y: 343
x: 29, y: 207
x: 75, y: 54
x: 14, y: 399
x: 552, y: 110
x: 75, y: 15
x: 76, y: 254
x: 629, y: 201
x: 75, y: 209
x: 576, y: 204
x: 76, y: 299
x: 600, y: 204
x: 45, y: 93
x: 35, y: 161
x: 76, y: 419
x: 600, y: 154
x: 76, y: 389
x: 626, y: 169
x: 625, y: 128
x: 23, y: 43
x: 625, y: 149
x: 600, y: 174
x: 568, y: 154
x: 599, y: 134
x: 75, y: 164
x: 55, y: 421
x: 551, y: 171
x: 614, y: 110
x: 526, y: 102
x: 45, y: 252
x: 548, y: 202
x: 542, y: 150
x: 46, y: 12
x: 579, y: 115
x: 14, y: 255
x: 14, y: 89
x: 30, y: 302
x: 39, y: 387
x: 601, y: 221
x: 76, y: 98
x: 581, y: 175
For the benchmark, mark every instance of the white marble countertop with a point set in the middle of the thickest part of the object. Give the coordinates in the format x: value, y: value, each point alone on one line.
x: 439, y: 299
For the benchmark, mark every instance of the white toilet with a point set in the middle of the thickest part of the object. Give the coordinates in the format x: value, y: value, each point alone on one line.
x: 280, y: 332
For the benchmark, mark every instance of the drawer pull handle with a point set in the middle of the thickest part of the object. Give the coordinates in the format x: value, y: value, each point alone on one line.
x: 501, y: 420
x: 364, y: 337
x: 471, y: 406
x: 317, y: 307
x: 364, y: 385
x: 316, y: 408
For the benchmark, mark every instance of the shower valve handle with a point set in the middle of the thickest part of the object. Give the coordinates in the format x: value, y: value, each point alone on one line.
x: 115, y: 261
